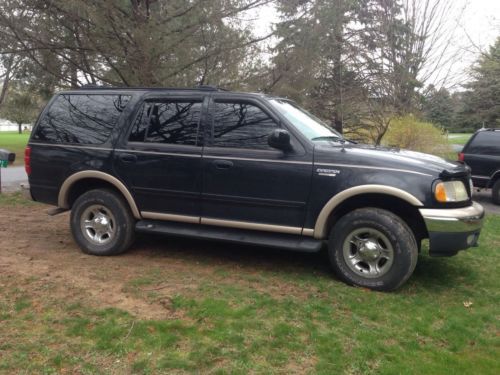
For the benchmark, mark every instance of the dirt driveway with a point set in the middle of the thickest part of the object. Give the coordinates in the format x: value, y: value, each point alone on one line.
x: 484, y: 197
x: 33, y: 244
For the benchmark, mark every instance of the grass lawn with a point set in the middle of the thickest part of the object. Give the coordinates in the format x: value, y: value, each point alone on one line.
x: 15, y: 142
x: 229, y: 320
x: 458, y: 138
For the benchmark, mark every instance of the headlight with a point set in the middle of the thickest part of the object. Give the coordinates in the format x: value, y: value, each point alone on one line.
x: 450, y: 191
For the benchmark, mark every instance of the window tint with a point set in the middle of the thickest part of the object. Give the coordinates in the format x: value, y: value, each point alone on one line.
x: 167, y: 122
x: 82, y: 119
x: 241, y: 125
x: 487, y: 142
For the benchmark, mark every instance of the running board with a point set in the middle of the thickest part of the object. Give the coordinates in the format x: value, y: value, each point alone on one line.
x: 249, y: 237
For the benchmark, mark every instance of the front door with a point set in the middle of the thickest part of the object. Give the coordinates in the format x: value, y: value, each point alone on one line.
x: 161, y: 161
x: 246, y: 183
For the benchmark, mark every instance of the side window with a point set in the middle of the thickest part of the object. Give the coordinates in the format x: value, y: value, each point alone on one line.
x: 487, y: 143
x: 81, y: 119
x: 241, y: 125
x: 174, y: 122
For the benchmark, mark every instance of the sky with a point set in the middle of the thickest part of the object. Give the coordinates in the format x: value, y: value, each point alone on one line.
x: 475, y: 25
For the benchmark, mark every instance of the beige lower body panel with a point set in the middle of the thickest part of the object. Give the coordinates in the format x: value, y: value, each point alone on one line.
x: 228, y: 223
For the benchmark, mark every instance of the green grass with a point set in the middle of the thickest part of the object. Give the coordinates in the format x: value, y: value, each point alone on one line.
x: 15, y: 199
x: 15, y: 142
x: 269, y: 319
x: 459, y: 138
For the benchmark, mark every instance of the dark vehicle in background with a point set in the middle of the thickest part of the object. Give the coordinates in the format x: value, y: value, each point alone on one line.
x: 243, y: 168
x: 482, y: 154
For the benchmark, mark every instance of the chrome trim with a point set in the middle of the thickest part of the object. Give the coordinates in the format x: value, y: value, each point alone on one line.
x: 70, y: 146
x: 160, y: 153
x: 373, y: 167
x: 454, y: 220
x: 252, y: 226
x: 257, y: 159
x: 321, y: 229
x: 481, y: 177
x: 171, y: 217
x: 62, y: 200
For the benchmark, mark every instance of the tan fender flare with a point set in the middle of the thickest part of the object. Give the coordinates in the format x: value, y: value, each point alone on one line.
x: 62, y: 200
x: 321, y: 230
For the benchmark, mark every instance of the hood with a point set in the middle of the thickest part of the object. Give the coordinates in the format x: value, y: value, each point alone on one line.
x: 378, y: 156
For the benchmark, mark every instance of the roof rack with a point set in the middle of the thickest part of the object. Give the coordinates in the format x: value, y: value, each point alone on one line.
x: 197, y: 88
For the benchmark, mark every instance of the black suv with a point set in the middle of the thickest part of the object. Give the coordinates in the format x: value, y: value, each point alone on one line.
x: 482, y: 155
x: 244, y: 168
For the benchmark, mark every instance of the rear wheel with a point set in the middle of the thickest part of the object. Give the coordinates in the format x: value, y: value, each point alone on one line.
x: 372, y: 248
x: 495, y: 192
x: 101, y: 223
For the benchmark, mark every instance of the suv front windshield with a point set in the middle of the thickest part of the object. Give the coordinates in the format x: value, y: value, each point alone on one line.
x: 309, y: 125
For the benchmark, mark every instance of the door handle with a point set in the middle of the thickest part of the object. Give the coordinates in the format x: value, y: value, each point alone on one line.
x: 128, y: 158
x: 223, y: 164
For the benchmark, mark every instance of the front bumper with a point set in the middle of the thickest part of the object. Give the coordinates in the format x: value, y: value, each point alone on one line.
x: 451, y: 230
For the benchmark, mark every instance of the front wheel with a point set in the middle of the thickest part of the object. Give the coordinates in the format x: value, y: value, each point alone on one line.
x: 101, y: 223
x: 372, y: 248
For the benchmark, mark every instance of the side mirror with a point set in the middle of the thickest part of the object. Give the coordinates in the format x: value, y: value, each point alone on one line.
x: 280, y: 139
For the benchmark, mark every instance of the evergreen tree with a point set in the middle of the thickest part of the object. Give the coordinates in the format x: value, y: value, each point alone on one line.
x: 482, y: 100
x: 438, y: 107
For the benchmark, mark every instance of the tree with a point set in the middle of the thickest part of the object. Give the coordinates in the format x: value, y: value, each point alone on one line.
x: 402, y: 40
x: 21, y: 107
x: 357, y: 63
x: 482, y: 98
x: 132, y: 42
x: 311, y: 57
x: 439, y: 107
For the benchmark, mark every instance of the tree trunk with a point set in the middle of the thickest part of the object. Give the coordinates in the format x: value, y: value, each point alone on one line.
x: 337, y: 87
x: 337, y: 68
x: 381, y: 133
x: 20, y: 128
x: 73, y: 76
x: 6, y: 79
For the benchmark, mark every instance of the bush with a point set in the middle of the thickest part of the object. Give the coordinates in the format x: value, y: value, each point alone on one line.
x: 410, y: 133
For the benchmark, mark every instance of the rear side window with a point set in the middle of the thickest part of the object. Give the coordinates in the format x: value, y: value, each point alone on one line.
x: 173, y: 122
x: 486, y: 142
x: 81, y: 119
x: 242, y: 125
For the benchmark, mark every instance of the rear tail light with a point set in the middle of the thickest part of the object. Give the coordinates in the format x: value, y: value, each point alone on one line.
x: 461, y: 156
x: 27, y: 160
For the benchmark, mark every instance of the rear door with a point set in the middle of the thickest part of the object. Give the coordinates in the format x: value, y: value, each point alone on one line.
x: 161, y: 158
x: 246, y: 183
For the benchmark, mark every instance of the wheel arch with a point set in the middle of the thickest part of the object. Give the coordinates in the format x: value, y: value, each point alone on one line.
x: 398, y: 201
x: 82, y: 181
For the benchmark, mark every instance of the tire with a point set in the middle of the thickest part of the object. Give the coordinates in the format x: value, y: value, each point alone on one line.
x: 101, y: 223
x: 372, y: 248
x: 495, y: 192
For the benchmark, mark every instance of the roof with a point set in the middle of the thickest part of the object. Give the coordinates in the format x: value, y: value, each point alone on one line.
x: 197, y: 88
x: 203, y: 88
x: 488, y: 130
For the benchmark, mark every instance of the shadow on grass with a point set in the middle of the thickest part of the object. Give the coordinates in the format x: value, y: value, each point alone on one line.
x: 214, y: 253
x: 443, y: 273
x: 432, y: 274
